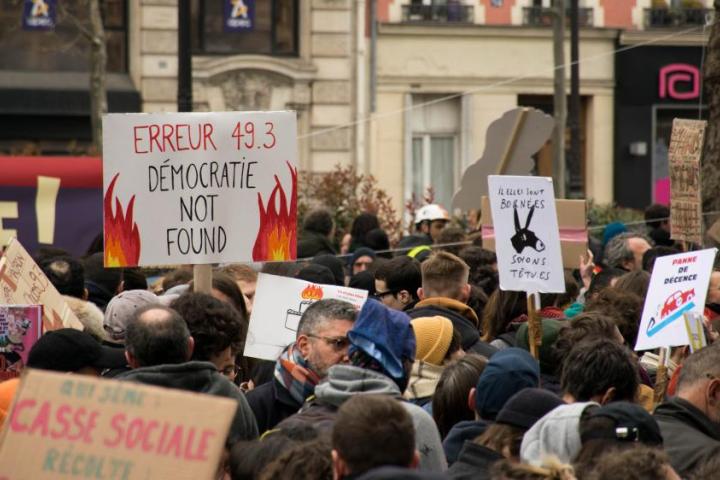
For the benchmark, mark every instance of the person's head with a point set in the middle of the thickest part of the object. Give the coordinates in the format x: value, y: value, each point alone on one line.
x: 372, y: 431
x: 454, y: 239
x: 625, y: 251
x: 281, y: 269
x: 316, y: 273
x: 502, y: 308
x: 437, y: 341
x: 546, y: 351
x: 649, y: 257
x: 713, y: 293
x: 483, y: 267
x: 638, y: 463
x: 304, y: 460
x: 582, y: 328
x: 550, y: 469
x: 450, y: 400
x: 71, y: 351
x: 322, y: 335
x: 179, y: 276
x: 623, y: 307
x: 157, y: 336
x: 361, y: 260
x: 248, y: 458
x: 635, y: 282
x: 103, y: 282
x: 361, y: 225
x: 601, y: 371
x: 66, y: 274
x: 332, y: 263
x: 397, y: 282
x: 657, y: 216
x: 121, y: 310
x: 378, y: 240
x: 319, y: 221
x: 431, y: 220
x: 602, y: 280
x: 217, y: 328
x: 699, y: 381
x: 508, y: 371
x: 246, y: 278
x: 445, y: 275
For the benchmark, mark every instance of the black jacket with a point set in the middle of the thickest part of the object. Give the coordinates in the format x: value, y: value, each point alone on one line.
x: 271, y: 403
x: 460, y: 434
x: 311, y: 244
x: 690, y: 438
x: 474, y: 462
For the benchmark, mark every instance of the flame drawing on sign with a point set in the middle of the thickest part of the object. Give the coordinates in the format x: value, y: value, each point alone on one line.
x: 312, y: 292
x: 277, y: 237
x: 122, y: 238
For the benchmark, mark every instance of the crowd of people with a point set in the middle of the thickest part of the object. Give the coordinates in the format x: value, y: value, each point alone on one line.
x: 432, y: 378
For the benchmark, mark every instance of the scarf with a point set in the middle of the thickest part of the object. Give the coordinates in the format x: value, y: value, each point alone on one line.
x: 293, y: 373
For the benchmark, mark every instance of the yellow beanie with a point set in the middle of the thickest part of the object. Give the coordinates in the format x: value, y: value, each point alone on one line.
x: 432, y: 337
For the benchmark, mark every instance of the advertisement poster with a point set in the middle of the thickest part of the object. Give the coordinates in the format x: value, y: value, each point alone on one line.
x: 20, y: 328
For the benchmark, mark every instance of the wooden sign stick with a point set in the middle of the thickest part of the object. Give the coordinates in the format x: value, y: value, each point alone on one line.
x: 534, y: 326
x: 661, y: 379
x: 202, y: 278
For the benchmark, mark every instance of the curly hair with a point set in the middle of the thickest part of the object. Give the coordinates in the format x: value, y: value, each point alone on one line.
x: 584, y: 327
x: 215, y: 325
x: 623, y: 307
x: 639, y: 463
x: 306, y: 460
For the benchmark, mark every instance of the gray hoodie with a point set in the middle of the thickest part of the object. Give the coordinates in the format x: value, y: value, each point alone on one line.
x: 556, y: 434
x: 344, y: 381
x: 200, y: 377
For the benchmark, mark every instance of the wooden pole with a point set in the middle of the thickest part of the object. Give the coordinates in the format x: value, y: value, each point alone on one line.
x: 202, y: 278
x: 661, y: 379
x: 534, y: 327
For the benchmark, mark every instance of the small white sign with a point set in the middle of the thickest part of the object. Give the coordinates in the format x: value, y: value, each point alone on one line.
x: 527, y: 238
x: 278, y: 306
x: 678, y: 286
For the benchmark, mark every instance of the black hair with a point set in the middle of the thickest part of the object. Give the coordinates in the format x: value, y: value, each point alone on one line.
x: 656, y: 215
x: 66, y: 274
x: 134, y: 279
x: 107, y: 278
x: 401, y: 273
x: 319, y: 221
x: 159, y: 340
x: 649, y: 257
x: 377, y: 239
x: 361, y: 226
x: 602, y: 280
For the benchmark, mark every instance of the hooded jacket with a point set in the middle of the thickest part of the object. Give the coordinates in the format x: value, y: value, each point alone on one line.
x: 312, y: 243
x: 200, y: 377
x: 460, y: 433
x: 474, y: 462
x: 690, y: 437
x: 464, y: 320
x: 343, y: 382
x: 557, y: 433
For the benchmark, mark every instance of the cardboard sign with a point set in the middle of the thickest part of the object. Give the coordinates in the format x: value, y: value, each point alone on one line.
x: 278, y: 306
x: 527, y: 240
x: 20, y: 328
x: 572, y: 220
x: 686, y: 145
x: 239, y: 15
x: 695, y: 331
x: 678, y: 286
x: 510, y: 143
x: 119, y: 430
x: 22, y: 282
x: 196, y: 188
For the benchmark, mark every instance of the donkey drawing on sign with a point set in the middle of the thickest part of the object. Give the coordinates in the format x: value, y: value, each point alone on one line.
x: 524, y: 237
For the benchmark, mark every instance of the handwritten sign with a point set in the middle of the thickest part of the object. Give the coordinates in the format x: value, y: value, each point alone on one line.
x: 527, y: 239
x: 196, y: 188
x: 22, y: 282
x: 20, y: 328
x: 279, y: 304
x: 678, y: 286
x: 118, y: 430
x: 686, y: 145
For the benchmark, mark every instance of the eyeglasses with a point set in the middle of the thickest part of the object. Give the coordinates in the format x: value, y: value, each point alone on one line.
x: 337, y: 343
x: 381, y: 295
x: 231, y: 371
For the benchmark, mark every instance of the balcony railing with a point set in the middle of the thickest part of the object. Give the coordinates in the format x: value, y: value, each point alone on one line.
x: 675, y: 17
x: 543, y: 17
x: 438, y: 14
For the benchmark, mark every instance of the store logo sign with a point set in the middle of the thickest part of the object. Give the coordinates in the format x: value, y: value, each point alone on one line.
x: 679, y: 81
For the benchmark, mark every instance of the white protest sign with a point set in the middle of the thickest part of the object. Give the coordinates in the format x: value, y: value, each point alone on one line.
x: 195, y: 188
x: 695, y: 331
x: 678, y: 286
x: 278, y: 306
x: 527, y: 239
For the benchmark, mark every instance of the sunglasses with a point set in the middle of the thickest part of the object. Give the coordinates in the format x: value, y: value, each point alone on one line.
x: 337, y: 343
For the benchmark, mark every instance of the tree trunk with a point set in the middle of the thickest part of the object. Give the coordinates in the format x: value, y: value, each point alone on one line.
x: 711, y: 155
x: 98, y: 65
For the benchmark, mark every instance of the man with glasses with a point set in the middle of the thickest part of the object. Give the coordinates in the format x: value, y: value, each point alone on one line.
x: 321, y: 342
x: 397, y: 283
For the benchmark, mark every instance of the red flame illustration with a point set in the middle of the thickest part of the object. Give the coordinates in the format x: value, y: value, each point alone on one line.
x: 277, y: 236
x: 312, y: 292
x: 122, y: 238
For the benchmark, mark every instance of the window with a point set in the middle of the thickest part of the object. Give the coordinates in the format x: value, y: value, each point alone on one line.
x: 65, y: 48
x: 274, y: 32
x: 435, y: 144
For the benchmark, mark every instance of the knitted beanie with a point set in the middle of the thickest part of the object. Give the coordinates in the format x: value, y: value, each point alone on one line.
x: 432, y: 337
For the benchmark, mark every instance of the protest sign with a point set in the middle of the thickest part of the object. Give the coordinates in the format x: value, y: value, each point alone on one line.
x: 22, y: 282
x: 678, y: 286
x: 20, y: 328
x: 527, y: 241
x: 695, y: 331
x: 278, y: 306
x: 686, y: 145
x: 198, y: 188
x: 572, y: 221
x: 119, y: 430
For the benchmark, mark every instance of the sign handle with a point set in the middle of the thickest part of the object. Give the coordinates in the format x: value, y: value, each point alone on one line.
x: 202, y: 278
x: 534, y: 324
x: 661, y: 379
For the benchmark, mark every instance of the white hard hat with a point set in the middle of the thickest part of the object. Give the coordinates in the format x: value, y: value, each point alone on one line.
x: 431, y: 212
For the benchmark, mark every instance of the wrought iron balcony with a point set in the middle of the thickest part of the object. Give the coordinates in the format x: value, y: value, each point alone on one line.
x: 543, y: 17
x: 451, y: 13
x: 675, y: 17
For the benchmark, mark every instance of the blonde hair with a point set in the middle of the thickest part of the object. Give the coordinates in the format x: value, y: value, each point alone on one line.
x: 551, y: 469
x: 444, y: 275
